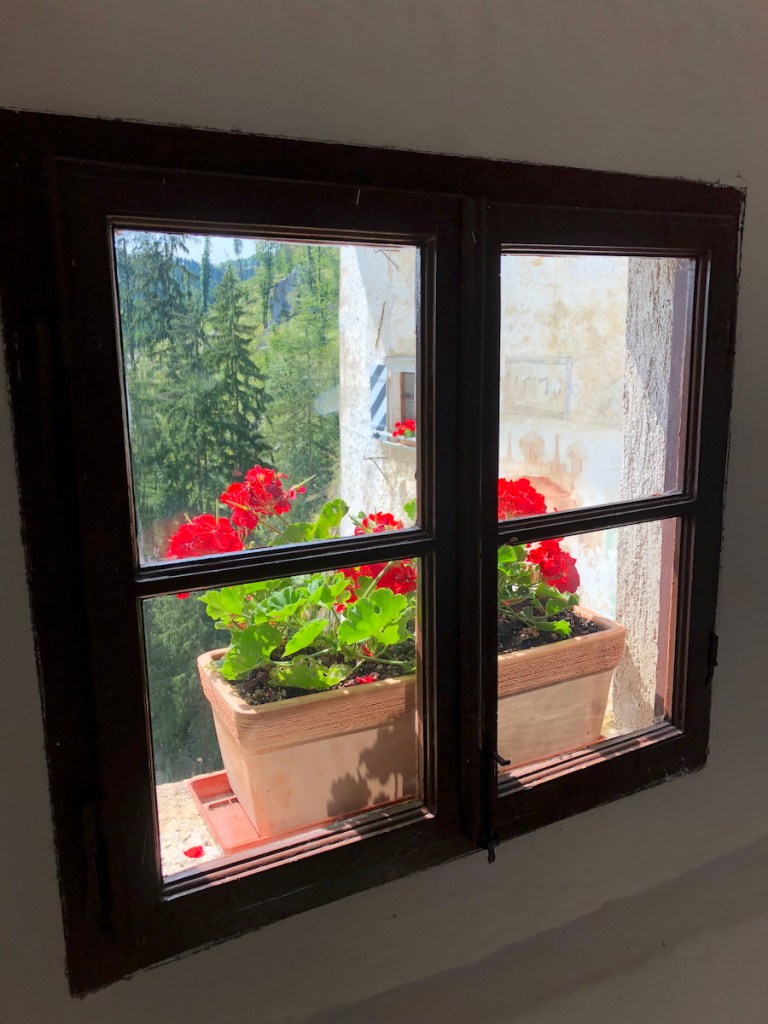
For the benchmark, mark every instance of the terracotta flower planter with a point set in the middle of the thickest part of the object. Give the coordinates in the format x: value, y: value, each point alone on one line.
x: 303, y: 761
x: 552, y: 699
x: 307, y: 760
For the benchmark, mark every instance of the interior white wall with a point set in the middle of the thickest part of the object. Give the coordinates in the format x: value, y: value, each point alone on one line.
x: 669, y: 87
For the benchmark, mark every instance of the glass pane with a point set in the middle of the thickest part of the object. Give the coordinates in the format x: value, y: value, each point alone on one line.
x: 282, y: 706
x: 585, y: 638
x: 594, y: 369
x: 265, y: 379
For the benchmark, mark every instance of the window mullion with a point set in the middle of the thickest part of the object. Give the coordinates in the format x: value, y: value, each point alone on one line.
x: 479, y: 428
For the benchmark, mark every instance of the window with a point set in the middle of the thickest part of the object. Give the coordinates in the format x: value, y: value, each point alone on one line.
x: 476, y: 625
x: 393, y: 401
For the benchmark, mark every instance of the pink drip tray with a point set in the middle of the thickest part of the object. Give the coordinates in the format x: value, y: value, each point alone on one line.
x: 221, y: 811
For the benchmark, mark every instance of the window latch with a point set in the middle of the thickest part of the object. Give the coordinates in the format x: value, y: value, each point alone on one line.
x: 490, y: 844
x: 503, y: 762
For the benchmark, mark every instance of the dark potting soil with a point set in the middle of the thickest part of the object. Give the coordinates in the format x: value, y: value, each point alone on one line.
x: 516, y: 636
x: 256, y: 688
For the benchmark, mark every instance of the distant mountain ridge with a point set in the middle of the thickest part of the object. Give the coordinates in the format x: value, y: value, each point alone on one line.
x: 245, y: 268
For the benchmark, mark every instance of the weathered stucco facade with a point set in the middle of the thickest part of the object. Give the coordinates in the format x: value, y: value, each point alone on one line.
x: 377, y: 328
x: 586, y: 362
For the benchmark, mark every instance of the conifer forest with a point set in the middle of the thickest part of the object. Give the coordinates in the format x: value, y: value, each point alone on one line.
x: 224, y: 361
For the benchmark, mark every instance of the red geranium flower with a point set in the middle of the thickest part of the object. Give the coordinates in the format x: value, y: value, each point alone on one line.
x: 262, y: 494
x: 400, y: 578
x: 367, y: 679
x: 378, y: 522
x: 557, y: 567
x: 404, y: 428
x: 203, y: 535
x: 519, y: 498
x: 353, y: 574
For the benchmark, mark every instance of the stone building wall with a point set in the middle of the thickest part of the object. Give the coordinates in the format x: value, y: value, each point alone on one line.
x: 586, y: 360
x: 377, y: 327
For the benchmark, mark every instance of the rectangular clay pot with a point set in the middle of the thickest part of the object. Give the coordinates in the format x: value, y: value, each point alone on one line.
x: 552, y: 699
x: 306, y: 760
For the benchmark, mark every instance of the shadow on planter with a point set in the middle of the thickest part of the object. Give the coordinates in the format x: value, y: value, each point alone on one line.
x: 308, y: 760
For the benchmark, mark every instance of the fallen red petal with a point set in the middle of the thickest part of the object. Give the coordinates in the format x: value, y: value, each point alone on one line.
x: 194, y: 852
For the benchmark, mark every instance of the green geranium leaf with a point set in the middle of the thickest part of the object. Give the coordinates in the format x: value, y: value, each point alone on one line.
x: 305, y: 636
x: 228, y: 601
x: 410, y: 510
x: 336, y: 674
x: 329, y: 518
x: 284, y: 603
x: 297, y: 533
x: 510, y: 553
x: 251, y: 649
x: 321, y: 592
x: 555, y: 605
x: 364, y: 585
x: 377, y: 618
x: 306, y: 675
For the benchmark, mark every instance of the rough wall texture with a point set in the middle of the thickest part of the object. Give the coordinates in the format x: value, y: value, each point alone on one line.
x: 646, y: 553
x: 668, y: 87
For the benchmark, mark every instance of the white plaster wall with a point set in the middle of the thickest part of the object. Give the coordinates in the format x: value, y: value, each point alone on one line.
x: 563, y: 339
x: 671, y: 87
x: 572, y: 309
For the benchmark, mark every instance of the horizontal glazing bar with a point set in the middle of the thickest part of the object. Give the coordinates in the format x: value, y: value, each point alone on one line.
x: 557, y: 524
x: 265, y: 563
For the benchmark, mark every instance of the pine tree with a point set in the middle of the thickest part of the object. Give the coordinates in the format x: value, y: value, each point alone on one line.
x: 301, y: 362
x: 205, y: 274
x: 237, y: 245
x: 238, y: 394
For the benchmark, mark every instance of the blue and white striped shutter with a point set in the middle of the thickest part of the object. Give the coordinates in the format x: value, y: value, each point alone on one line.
x: 379, y: 399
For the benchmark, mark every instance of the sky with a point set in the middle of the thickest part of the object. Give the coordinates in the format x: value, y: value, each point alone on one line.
x: 222, y: 248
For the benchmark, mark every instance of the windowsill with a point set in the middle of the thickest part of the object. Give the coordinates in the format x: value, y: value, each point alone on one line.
x: 408, y: 442
x: 182, y: 827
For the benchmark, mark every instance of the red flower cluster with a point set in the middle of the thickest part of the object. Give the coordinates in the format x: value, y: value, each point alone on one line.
x: 401, y: 577
x: 405, y: 428
x: 519, y: 498
x: 261, y: 495
x: 203, y: 535
x: 556, y: 566
x: 378, y: 522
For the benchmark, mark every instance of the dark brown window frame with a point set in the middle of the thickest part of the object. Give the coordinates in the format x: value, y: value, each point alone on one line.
x: 119, y: 917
